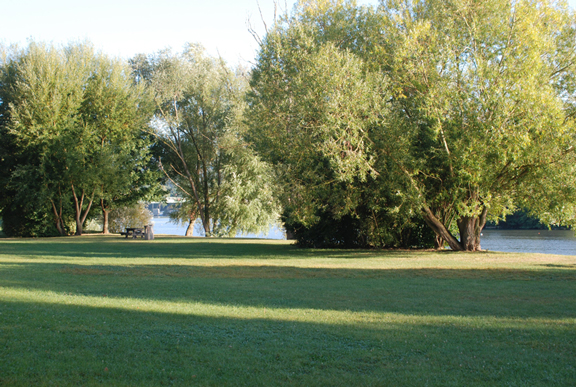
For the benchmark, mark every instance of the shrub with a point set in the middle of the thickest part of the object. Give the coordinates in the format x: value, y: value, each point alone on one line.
x: 134, y: 216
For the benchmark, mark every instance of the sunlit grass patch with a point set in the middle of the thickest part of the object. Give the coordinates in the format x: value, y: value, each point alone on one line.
x: 376, y: 320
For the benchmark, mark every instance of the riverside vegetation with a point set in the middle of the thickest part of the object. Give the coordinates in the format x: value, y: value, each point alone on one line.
x: 99, y: 310
x: 409, y: 124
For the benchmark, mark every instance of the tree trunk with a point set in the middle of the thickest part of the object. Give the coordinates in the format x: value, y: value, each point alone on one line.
x: 206, y: 225
x: 467, y: 228
x: 439, y: 242
x: 190, y: 228
x: 206, y: 216
x: 79, y: 225
x: 442, y: 233
x: 105, y: 213
x: 470, y: 228
x: 58, y: 218
x: 79, y: 216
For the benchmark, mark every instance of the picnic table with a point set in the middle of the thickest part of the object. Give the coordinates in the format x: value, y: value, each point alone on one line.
x: 135, y: 232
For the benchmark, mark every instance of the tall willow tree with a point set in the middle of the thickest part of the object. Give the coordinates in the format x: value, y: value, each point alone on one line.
x: 455, y: 110
x: 41, y: 95
x: 199, y: 128
x: 483, y: 92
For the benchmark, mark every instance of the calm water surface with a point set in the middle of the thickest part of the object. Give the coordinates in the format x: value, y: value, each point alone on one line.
x: 163, y: 225
x: 560, y: 242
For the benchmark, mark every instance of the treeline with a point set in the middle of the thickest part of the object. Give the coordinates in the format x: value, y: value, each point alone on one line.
x: 522, y: 220
x: 407, y: 125
x: 83, y: 134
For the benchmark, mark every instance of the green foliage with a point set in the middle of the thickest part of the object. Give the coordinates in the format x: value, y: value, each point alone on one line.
x: 360, y: 231
x: 117, y: 113
x: 455, y: 110
x: 73, y: 118
x: 199, y: 129
x: 247, y: 193
x: 25, y: 222
x: 483, y: 78
x: 522, y: 220
x: 313, y: 110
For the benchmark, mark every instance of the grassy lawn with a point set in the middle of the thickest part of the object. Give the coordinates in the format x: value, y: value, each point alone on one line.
x: 103, y: 310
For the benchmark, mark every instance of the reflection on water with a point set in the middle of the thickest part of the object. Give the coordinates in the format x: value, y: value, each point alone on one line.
x: 560, y: 242
x: 163, y: 225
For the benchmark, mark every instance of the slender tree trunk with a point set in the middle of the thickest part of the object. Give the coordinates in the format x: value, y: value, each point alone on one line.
x: 80, y: 216
x: 206, y: 225
x: 79, y: 225
x: 439, y: 242
x: 58, y: 218
x: 190, y: 228
x: 105, y: 213
x: 206, y: 220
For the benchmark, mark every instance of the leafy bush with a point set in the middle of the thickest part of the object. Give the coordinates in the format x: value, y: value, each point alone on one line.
x: 360, y: 231
x: 19, y: 221
x: 133, y: 216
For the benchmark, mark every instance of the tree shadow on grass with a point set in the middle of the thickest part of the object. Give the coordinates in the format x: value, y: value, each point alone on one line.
x: 179, y: 248
x: 471, y: 292
x: 70, y: 345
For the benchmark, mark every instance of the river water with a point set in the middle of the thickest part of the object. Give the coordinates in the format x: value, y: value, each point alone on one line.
x: 561, y: 242
x: 163, y: 225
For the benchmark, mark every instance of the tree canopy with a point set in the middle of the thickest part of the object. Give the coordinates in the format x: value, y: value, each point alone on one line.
x: 407, y: 124
x: 456, y: 110
x: 73, y: 118
x: 199, y: 129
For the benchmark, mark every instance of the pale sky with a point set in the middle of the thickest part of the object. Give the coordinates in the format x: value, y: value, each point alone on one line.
x: 127, y: 27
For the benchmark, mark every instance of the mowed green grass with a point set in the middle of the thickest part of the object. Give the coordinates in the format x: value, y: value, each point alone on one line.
x: 104, y: 310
